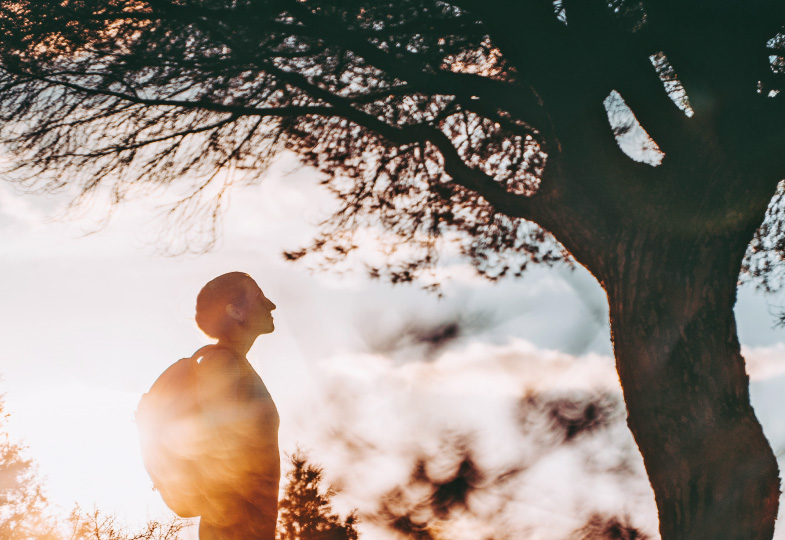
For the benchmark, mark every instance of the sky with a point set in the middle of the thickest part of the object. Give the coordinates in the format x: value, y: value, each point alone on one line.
x: 92, y: 315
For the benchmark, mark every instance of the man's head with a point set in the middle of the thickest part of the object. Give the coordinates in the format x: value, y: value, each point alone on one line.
x: 233, y: 302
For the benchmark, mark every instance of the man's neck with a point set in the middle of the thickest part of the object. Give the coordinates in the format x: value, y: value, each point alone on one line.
x: 239, y: 346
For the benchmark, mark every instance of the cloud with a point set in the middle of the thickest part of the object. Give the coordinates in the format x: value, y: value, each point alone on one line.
x: 489, y: 440
x: 764, y: 362
x: 484, y: 441
x: 19, y: 213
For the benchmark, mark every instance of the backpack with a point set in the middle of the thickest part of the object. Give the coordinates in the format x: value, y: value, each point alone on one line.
x: 172, y: 434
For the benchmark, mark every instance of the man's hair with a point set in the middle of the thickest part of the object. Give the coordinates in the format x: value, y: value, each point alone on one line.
x: 211, y: 302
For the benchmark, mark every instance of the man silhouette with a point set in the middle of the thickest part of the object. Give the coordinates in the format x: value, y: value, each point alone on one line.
x: 239, y: 459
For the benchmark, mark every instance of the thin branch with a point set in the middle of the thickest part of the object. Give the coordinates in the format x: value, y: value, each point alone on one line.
x: 510, y: 96
x: 237, y: 110
x: 514, y: 205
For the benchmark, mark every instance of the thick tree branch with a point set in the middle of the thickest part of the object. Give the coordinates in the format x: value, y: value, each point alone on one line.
x: 624, y: 65
x: 514, y: 97
x: 470, y: 178
x: 508, y: 203
x: 474, y: 92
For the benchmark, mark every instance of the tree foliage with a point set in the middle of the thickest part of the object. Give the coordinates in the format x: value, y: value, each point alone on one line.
x: 305, y: 511
x: 601, y: 527
x: 127, y: 94
x: 96, y: 525
x: 443, y: 132
x: 442, y: 127
x: 23, y: 506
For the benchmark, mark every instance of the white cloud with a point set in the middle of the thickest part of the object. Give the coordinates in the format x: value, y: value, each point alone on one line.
x: 373, y: 416
x: 764, y: 362
x: 17, y: 210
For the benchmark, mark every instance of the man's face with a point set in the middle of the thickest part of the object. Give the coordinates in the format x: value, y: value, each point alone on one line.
x: 259, y: 311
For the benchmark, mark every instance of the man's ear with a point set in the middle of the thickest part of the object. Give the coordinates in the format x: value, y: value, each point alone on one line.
x: 234, y: 313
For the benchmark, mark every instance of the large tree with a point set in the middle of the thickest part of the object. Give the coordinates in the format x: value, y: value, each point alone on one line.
x: 640, y: 138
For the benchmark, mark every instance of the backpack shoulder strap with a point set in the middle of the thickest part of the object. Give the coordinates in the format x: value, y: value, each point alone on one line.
x: 202, y: 352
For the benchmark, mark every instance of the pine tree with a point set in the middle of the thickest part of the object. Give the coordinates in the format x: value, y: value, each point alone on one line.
x: 305, y: 512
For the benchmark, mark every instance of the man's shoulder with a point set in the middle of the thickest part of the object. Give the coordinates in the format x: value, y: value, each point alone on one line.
x: 216, y: 357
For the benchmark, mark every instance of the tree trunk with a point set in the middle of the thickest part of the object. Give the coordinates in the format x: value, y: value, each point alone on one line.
x: 671, y: 301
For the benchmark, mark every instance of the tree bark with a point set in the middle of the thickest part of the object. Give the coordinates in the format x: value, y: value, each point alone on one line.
x: 671, y: 301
